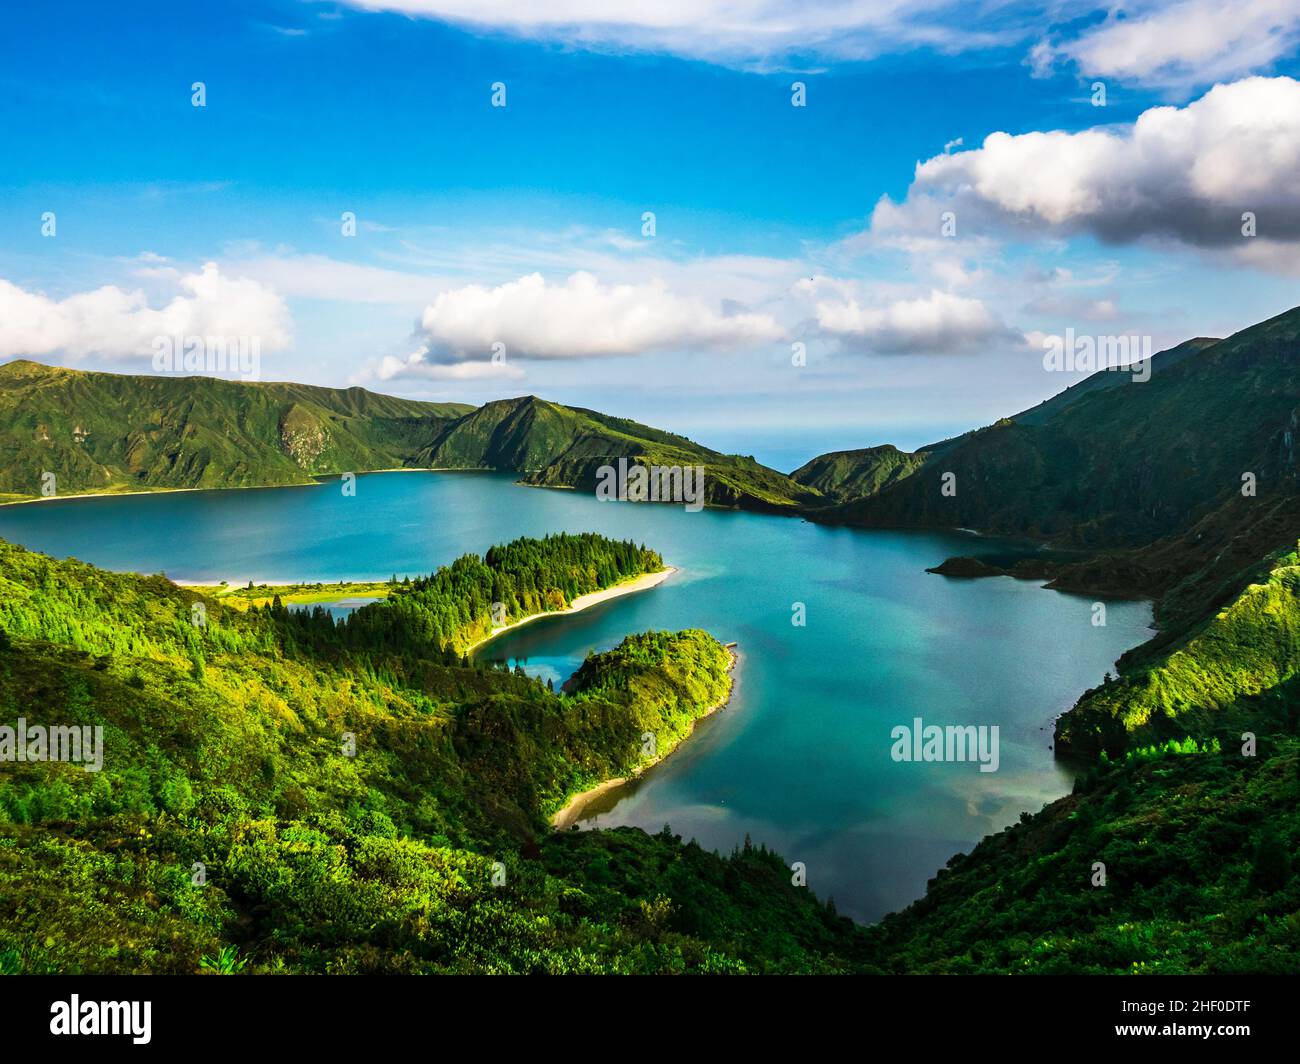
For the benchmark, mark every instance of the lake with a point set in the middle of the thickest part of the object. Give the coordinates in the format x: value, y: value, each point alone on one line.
x: 801, y: 758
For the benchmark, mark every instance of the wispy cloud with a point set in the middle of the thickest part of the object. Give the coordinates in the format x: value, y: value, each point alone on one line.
x: 1181, y: 45
x: 745, y: 33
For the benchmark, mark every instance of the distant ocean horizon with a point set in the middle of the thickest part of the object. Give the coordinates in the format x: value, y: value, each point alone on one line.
x: 785, y: 450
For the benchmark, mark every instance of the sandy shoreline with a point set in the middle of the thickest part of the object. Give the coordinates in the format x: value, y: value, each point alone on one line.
x: 582, y: 602
x: 571, y: 813
x: 323, y: 478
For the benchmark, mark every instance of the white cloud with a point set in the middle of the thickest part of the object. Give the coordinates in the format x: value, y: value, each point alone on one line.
x: 1195, y: 42
x: 1186, y: 173
x: 113, y: 323
x: 336, y: 280
x: 739, y: 32
x: 940, y: 323
x: 1041, y: 58
x: 580, y: 318
x: 416, y: 366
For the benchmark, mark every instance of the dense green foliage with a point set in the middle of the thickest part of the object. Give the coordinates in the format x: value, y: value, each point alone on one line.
x: 453, y: 608
x: 354, y: 807
x: 1234, y: 671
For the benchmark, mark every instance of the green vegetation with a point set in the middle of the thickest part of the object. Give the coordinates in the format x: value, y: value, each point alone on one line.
x: 282, y: 796
x: 561, y: 446
x: 842, y: 476
x: 105, y: 432
x: 242, y: 597
x: 453, y: 608
x: 1233, y: 672
x: 1198, y: 877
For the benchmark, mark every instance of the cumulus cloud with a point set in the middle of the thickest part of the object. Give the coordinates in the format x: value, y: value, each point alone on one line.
x: 114, y: 323
x: 578, y: 318
x: 1188, y: 43
x: 1186, y: 173
x: 939, y: 323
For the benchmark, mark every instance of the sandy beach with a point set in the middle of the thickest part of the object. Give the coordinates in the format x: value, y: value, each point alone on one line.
x: 572, y: 811
x: 582, y: 602
x: 317, y: 479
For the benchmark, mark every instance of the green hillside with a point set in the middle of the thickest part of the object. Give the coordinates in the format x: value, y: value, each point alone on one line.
x: 1230, y: 673
x: 1161, y: 362
x: 112, y: 432
x: 1124, y: 464
x: 560, y: 446
x: 279, y: 794
x: 104, y: 432
x: 845, y: 475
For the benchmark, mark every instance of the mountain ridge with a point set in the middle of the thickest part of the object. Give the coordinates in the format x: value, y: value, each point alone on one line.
x: 146, y: 432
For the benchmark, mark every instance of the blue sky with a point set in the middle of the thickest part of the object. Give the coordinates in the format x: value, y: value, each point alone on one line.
x: 774, y: 225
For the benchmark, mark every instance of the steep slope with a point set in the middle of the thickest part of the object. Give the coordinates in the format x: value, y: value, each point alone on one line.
x: 1161, y: 362
x: 561, y: 446
x: 113, y: 432
x: 1229, y: 673
x: 842, y: 476
x: 1120, y: 464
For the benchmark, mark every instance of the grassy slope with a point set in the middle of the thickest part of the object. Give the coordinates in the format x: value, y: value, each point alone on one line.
x: 559, y: 446
x: 224, y: 746
x: 1230, y: 672
x: 845, y: 475
x: 242, y: 597
x: 1124, y: 465
x: 141, y: 432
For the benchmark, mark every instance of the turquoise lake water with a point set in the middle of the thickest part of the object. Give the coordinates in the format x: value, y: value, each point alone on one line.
x: 800, y: 759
